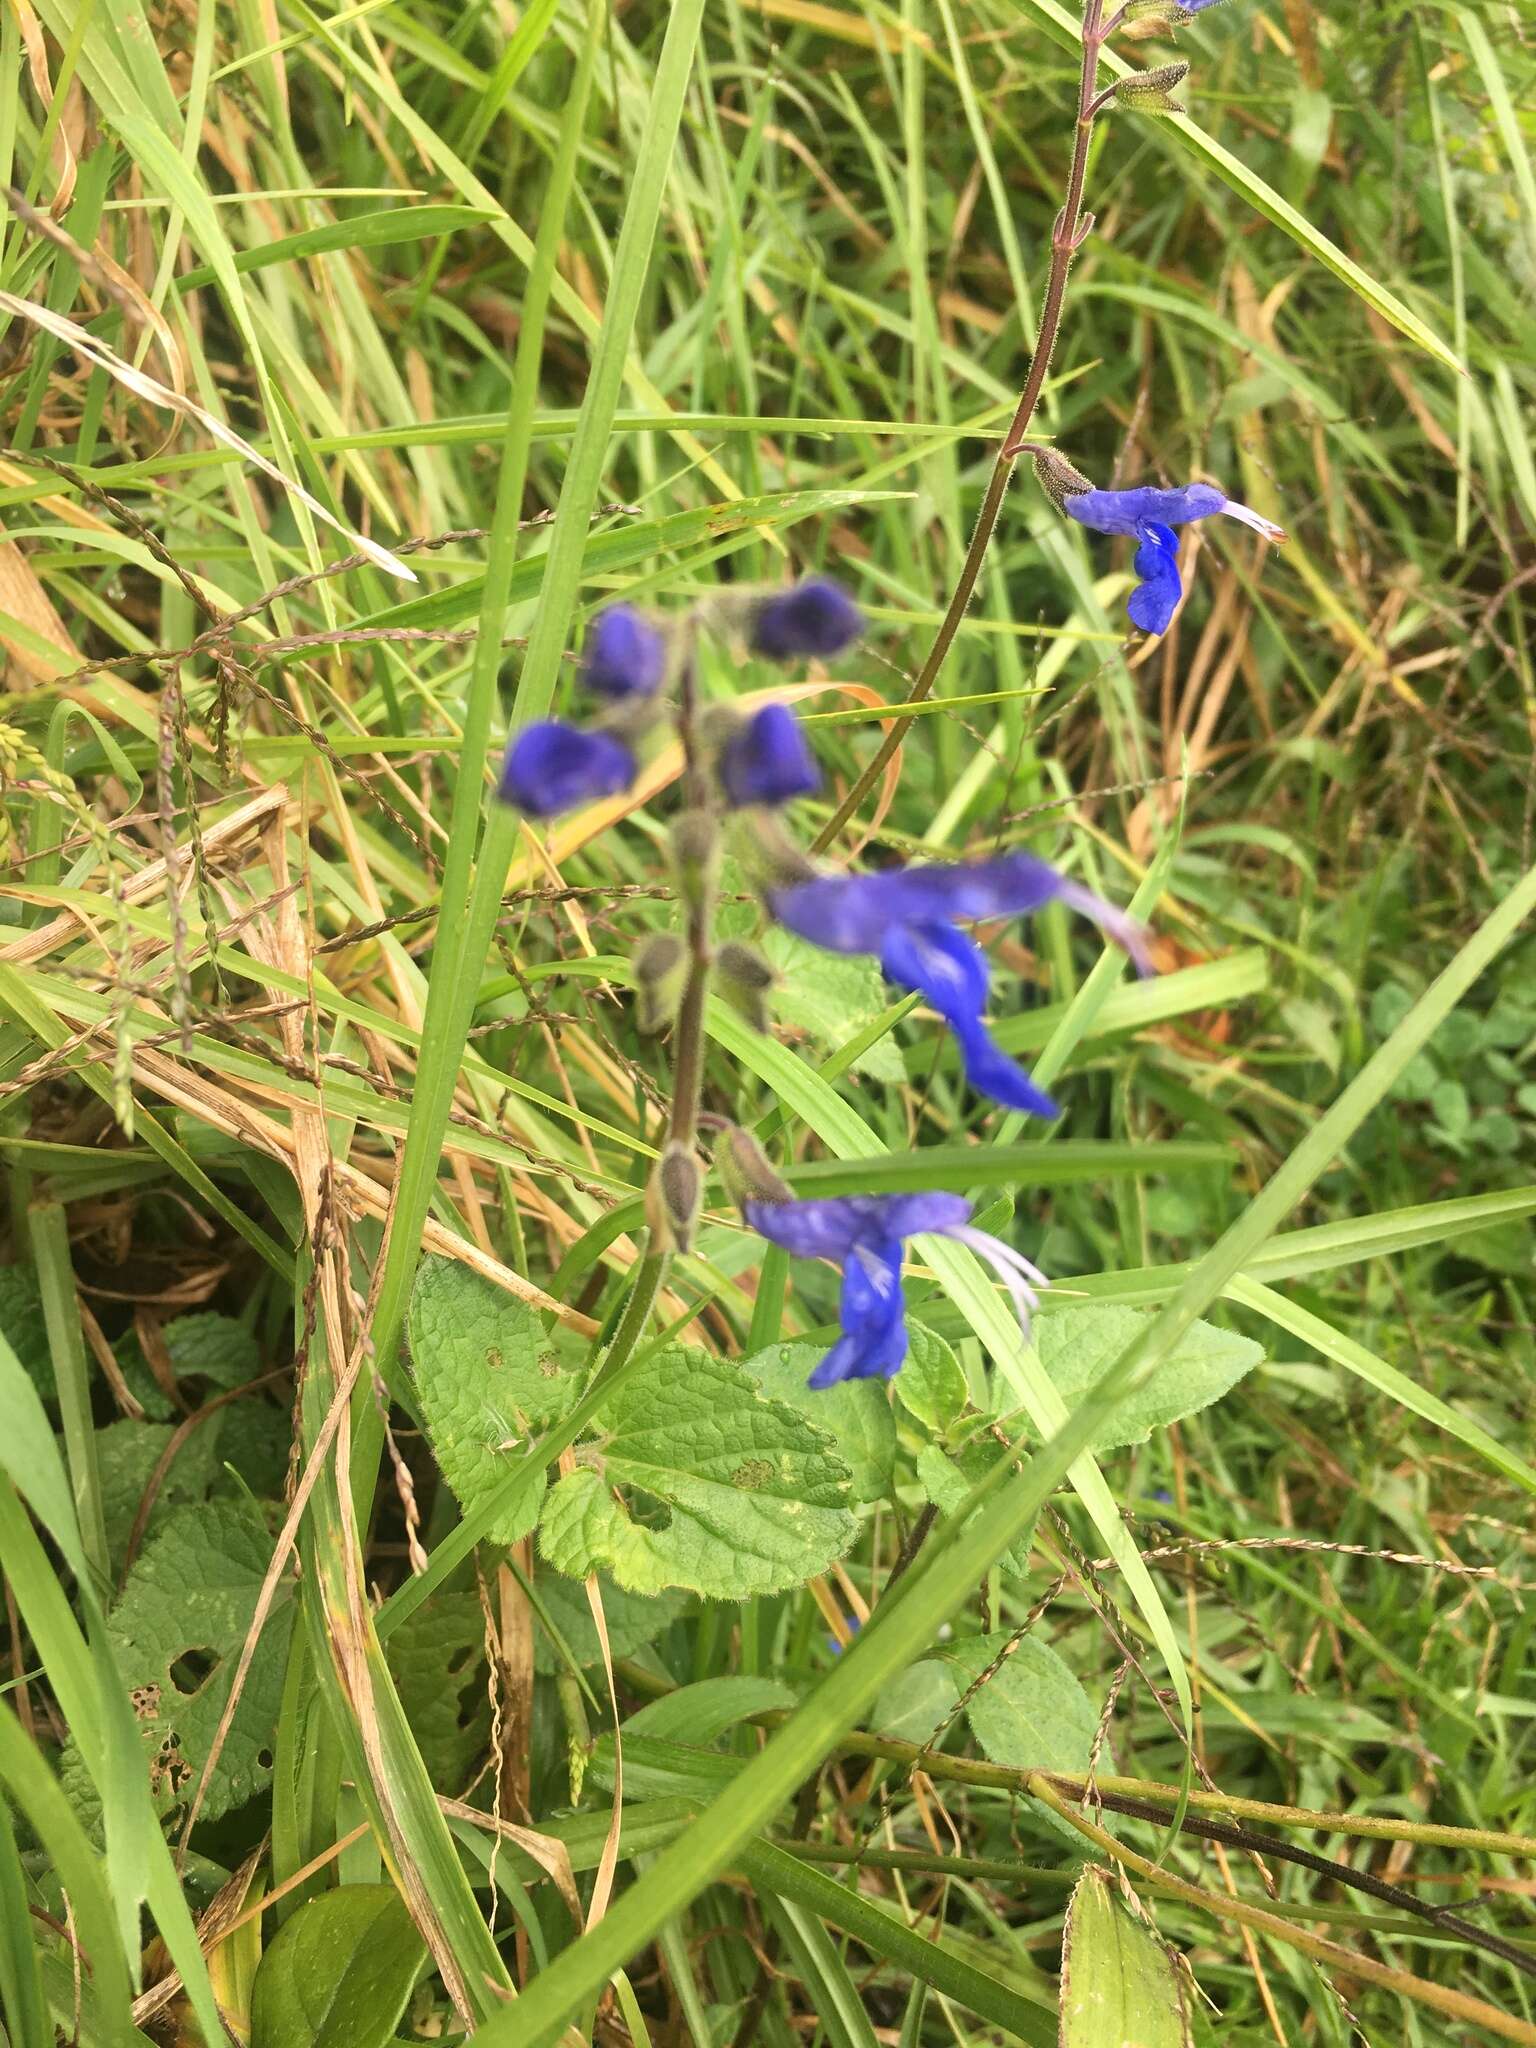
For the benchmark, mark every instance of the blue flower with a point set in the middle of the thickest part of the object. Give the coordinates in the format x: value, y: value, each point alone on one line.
x: 551, y: 767
x: 865, y: 1235
x: 816, y: 617
x: 907, y: 917
x: 766, y: 760
x: 1150, y: 514
x: 624, y: 656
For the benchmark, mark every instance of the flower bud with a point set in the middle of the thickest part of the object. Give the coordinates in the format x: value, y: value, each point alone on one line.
x: 674, y: 1196
x: 744, y: 1167
x: 816, y: 617
x: 695, y: 844
x: 661, y: 975
x: 552, y: 767
x: 625, y: 655
x: 1153, y: 17
x: 768, y: 855
x: 744, y: 978
x: 1151, y: 92
x: 1057, y: 477
x: 766, y: 760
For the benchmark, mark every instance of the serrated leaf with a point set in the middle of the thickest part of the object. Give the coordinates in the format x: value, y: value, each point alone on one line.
x: 931, y: 1384
x: 1078, y: 1344
x: 833, y: 996
x: 339, y: 1973
x: 947, y: 1478
x: 176, y: 1636
x: 486, y: 1380
x: 632, y: 1621
x: 856, y: 1414
x: 437, y: 1659
x: 724, y: 1490
x: 1120, y: 1988
x: 212, y: 1347
x: 21, y: 1324
x: 915, y: 1706
x: 127, y: 1453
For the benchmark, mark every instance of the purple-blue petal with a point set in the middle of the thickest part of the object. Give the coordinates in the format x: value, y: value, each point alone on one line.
x: 552, y: 767
x: 1156, y: 597
x: 767, y: 760
x: 854, y: 913
x: 815, y: 617
x: 625, y: 655
x: 830, y: 1226
x: 1134, y: 510
x: 990, y: 1071
x: 873, y: 1315
x: 948, y: 968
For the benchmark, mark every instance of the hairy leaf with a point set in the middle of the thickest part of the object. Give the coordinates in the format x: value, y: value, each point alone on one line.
x: 1120, y: 1988
x: 706, y: 1483
x: 1077, y: 1344
x: 931, y: 1385
x: 856, y: 1415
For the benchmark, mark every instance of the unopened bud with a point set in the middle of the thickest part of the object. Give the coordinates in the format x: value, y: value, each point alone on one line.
x: 661, y: 974
x: 673, y: 1197
x: 1153, y: 17
x: 1151, y: 92
x: 1058, y: 478
x: 744, y: 978
x: 695, y: 841
x: 744, y: 1167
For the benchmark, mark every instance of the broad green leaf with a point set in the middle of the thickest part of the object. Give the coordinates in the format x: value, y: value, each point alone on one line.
x: 631, y: 1619
x: 176, y: 1636
x: 437, y: 1660
x: 486, y: 1380
x: 696, y: 1714
x: 947, y: 1478
x: 1120, y: 1988
x: 21, y: 1324
x: 339, y: 1973
x: 915, y: 1706
x: 856, y: 1414
x: 832, y: 997
x: 1030, y: 1713
x: 127, y: 1453
x: 1077, y: 1344
x: 931, y: 1385
x: 725, y: 1491
x: 212, y: 1347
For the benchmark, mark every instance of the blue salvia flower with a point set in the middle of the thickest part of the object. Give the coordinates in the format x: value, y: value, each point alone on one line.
x: 816, y: 617
x: 766, y: 760
x: 552, y: 767
x: 625, y: 655
x: 1149, y: 515
x: 866, y: 1235
x: 907, y: 917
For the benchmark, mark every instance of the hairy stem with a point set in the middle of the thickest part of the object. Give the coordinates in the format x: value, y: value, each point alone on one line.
x: 1066, y: 238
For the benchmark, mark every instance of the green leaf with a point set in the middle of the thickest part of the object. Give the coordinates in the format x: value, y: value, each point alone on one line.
x: 21, y: 1324
x: 437, y: 1660
x: 947, y: 1478
x: 832, y: 997
x: 632, y: 1621
x: 1031, y: 1713
x: 176, y: 1637
x: 697, y: 1714
x: 1120, y: 1988
x: 127, y: 1453
x: 339, y: 1973
x: 931, y: 1385
x: 214, y: 1348
x: 486, y: 1380
x: 1077, y: 1344
x: 856, y: 1414
x: 751, y: 1497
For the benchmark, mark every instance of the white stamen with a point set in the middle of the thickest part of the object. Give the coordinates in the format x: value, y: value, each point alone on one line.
x: 1256, y: 520
x: 1011, y: 1267
x: 1114, y: 924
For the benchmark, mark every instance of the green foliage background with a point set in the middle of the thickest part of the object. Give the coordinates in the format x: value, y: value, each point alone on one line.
x: 730, y: 291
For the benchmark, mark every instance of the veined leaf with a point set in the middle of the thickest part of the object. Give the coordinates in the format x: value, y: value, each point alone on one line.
x: 1120, y: 1988
x: 339, y: 1973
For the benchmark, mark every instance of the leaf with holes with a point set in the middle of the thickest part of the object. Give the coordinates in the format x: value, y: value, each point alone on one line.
x: 856, y: 1414
x: 339, y: 1973
x: 1120, y: 1988
x: 176, y: 1636
x: 701, y: 1481
x: 1077, y: 1345
x: 437, y: 1660
x: 487, y: 1380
